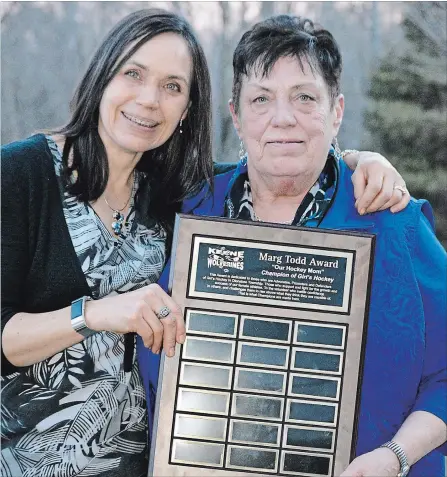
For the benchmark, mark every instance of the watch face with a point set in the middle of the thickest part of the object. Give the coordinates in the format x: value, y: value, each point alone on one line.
x: 76, y: 308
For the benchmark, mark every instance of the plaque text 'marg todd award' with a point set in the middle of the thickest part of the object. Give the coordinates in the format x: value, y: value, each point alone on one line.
x: 268, y: 379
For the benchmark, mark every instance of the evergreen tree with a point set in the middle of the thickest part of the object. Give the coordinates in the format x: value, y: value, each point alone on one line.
x: 408, y: 115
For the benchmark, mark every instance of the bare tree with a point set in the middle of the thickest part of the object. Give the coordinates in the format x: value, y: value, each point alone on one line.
x: 47, y: 45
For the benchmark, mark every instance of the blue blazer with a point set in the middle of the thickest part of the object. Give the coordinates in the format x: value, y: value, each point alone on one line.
x: 406, y: 359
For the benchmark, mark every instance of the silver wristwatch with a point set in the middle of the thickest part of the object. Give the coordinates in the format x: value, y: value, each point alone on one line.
x: 402, y: 457
x: 77, y: 317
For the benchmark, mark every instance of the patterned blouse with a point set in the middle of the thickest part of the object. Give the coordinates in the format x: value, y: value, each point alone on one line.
x: 239, y: 201
x: 92, y: 413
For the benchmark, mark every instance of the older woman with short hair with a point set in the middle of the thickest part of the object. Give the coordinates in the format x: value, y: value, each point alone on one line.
x: 287, y: 109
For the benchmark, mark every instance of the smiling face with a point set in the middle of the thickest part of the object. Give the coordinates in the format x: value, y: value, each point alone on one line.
x: 286, y: 121
x: 144, y: 103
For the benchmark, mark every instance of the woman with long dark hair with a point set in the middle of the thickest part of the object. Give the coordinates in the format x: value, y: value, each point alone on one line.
x: 87, y: 213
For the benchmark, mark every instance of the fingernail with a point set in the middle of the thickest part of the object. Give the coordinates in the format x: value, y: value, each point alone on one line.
x: 362, y: 211
x: 171, y: 352
x: 181, y: 339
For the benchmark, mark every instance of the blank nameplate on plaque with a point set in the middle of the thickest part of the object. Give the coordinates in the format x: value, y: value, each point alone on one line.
x: 195, y: 400
x: 318, y: 439
x: 263, y: 329
x: 268, y: 379
x: 263, y: 355
x: 197, y: 453
x: 323, y: 336
x: 311, y: 412
x: 251, y: 458
x: 200, y: 427
x: 260, y: 407
x: 260, y: 381
x: 249, y: 432
x: 205, y: 375
x: 202, y: 349
x: 211, y: 324
x: 305, y: 463
x: 317, y: 361
x: 318, y: 387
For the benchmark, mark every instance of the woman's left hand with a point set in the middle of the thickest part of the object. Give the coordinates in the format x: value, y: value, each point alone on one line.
x: 380, y: 462
x: 377, y: 184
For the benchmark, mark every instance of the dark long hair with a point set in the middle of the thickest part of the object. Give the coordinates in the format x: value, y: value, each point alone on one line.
x: 176, y: 169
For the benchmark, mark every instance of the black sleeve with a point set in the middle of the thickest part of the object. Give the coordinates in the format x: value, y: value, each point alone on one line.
x: 15, y: 258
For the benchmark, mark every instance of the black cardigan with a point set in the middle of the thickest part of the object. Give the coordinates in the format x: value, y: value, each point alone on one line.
x: 40, y: 269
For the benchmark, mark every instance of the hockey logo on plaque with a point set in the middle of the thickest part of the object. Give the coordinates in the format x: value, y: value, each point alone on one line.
x: 268, y: 379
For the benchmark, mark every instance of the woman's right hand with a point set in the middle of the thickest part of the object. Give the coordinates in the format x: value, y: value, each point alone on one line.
x: 136, y: 311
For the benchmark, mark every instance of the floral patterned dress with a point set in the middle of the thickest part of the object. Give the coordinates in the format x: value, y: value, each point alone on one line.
x: 79, y: 413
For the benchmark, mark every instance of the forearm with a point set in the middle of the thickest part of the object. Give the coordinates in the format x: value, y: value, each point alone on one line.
x: 420, y: 434
x: 29, y: 338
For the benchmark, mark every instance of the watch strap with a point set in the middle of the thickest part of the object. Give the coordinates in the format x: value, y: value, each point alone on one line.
x: 78, y: 318
x: 402, y: 457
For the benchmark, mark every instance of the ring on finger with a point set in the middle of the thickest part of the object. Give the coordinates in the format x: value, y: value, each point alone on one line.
x: 403, y: 189
x: 163, y: 313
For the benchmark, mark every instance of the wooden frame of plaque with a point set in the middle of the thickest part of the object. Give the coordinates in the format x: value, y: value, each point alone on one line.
x: 268, y: 380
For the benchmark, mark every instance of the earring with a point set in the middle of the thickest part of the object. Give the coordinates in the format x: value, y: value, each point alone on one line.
x: 336, y: 146
x: 181, y: 122
x: 242, y: 151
